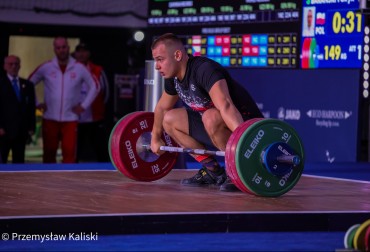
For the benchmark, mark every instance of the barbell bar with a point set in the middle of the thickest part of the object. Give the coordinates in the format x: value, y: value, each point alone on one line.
x: 288, y: 159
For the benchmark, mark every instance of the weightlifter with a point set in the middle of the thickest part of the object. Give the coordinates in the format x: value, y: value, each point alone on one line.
x: 215, y: 105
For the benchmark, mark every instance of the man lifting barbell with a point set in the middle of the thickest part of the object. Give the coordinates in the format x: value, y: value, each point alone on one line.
x: 215, y: 106
x: 264, y: 157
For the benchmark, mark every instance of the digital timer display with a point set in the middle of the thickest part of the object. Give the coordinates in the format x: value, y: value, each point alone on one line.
x: 224, y: 12
x: 332, y: 34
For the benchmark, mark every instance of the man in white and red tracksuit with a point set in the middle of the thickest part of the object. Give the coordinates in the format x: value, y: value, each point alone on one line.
x: 63, y: 78
x: 92, y: 140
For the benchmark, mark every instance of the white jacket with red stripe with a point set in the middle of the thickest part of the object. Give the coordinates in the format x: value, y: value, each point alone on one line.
x: 62, y: 90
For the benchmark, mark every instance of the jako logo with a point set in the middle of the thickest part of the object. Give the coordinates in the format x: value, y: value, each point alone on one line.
x: 289, y: 114
x: 281, y: 113
x: 308, y: 2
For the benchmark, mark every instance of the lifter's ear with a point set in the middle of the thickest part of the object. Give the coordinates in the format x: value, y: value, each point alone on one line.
x: 178, y: 55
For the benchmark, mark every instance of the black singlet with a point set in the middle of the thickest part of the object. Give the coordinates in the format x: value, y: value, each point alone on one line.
x: 201, y: 74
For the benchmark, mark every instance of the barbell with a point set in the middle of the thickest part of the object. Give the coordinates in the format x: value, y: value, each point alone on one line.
x: 264, y: 157
x: 285, y: 158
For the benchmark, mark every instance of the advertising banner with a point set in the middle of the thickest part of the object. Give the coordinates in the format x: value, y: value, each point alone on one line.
x: 322, y: 105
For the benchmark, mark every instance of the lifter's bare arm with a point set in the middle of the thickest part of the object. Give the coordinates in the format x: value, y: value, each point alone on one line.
x: 165, y: 103
x: 221, y: 99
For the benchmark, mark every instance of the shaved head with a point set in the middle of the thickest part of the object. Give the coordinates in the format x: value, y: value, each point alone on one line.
x: 171, y: 42
x: 170, y: 56
x: 61, y: 49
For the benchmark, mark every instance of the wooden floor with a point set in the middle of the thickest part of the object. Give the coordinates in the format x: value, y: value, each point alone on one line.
x: 84, y: 193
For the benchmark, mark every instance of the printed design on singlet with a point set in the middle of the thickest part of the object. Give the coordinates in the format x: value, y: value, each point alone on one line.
x: 193, y: 97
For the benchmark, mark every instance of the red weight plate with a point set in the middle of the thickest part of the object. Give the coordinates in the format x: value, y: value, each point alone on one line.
x: 229, y: 162
x: 114, y: 142
x: 230, y: 154
x: 130, y: 157
x: 367, y: 239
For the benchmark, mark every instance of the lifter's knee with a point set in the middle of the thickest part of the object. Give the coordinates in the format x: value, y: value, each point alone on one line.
x: 169, y: 121
x: 212, y: 121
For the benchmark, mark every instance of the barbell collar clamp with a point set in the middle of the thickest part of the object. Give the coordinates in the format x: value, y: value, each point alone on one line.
x: 289, y: 159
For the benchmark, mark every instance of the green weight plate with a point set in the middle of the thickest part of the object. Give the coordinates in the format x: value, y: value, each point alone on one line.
x: 230, y: 154
x: 348, y: 237
x: 249, y: 166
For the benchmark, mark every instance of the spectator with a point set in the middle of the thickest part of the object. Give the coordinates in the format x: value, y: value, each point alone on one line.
x: 17, y: 111
x: 92, y: 140
x: 63, y: 78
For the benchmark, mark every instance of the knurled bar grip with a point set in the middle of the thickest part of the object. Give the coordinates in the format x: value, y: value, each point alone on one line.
x: 194, y: 151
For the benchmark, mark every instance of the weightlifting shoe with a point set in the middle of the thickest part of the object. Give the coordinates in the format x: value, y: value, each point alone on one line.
x: 228, y: 186
x: 205, y: 177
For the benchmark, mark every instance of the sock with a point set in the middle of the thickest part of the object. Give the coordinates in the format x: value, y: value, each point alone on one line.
x: 210, y: 163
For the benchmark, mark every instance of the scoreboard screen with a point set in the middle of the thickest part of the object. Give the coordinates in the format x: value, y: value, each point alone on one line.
x: 237, y: 33
x: 210, y: 12
x: 332, y: 34
x: 246, y: 50
x: 287, y: 34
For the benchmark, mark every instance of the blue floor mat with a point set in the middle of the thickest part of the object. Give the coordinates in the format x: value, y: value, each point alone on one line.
x: 57, y: 167
x: 248, y: 241
x: 356, y: 171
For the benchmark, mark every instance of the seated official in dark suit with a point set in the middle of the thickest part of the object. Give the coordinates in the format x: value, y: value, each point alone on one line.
x: 17, y: 111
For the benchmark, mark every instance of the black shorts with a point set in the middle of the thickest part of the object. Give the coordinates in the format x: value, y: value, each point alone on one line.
x: 197, y: 130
